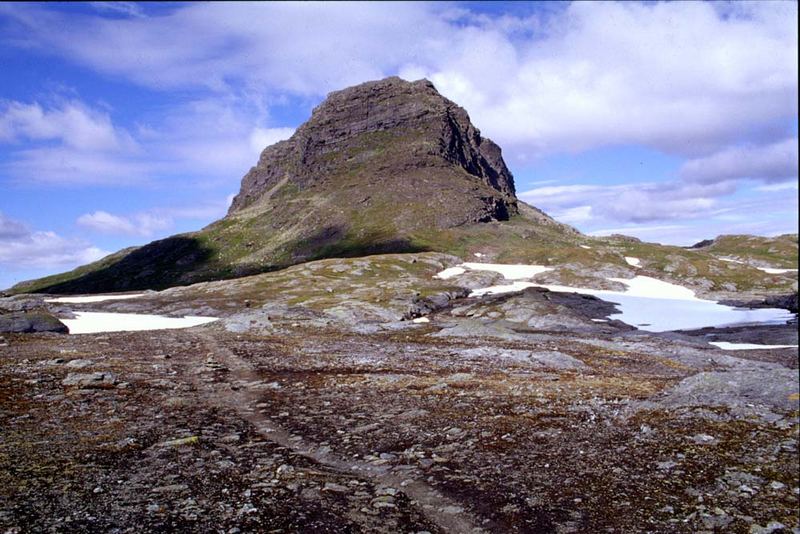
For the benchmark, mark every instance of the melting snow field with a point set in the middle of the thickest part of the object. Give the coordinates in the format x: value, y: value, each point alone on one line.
x: 96, y: 322
x: 93, y: 298
x: 647, y: 303
x: 770, y: 270
x: 724, y: 345
x: 635, y: 262
x: 509, y: 271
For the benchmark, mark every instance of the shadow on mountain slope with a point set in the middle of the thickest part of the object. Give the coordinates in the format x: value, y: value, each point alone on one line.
x: 184, y: 260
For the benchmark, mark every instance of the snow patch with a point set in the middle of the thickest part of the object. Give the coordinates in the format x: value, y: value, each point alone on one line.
x: 587, y: 247
x: 645, y: 286
x: 95, y: 322
x: 509, y: 271
x: 421, y: 320
x: 770, y: 270
x: 450, y: 272
x: 724, y: 345
x: 635, y: 262
x: 646, y: 302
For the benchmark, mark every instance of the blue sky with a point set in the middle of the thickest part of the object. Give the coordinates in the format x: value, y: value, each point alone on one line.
x: 121, y: 123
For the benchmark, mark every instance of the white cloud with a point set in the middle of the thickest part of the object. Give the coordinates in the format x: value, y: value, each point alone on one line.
x: 786, y: 186
x: 152, y: 222
x: 680, y: 77
x: 209, y: 138
x: 212, y: 138
x: 261, y: 138
x: 24, y: 248
x: 685, y: 77
x: 140, y: 224
x: 772, y: 162
x: 61, y: 165
x: 130, y: 9
x: 68, y: 143
x: 73, y: 123
x: 578, y: 214
x: 675, y: 212
x: 562, y: 194
x: 307, y: 48
x: 633, y: 202
x: 639, y: 229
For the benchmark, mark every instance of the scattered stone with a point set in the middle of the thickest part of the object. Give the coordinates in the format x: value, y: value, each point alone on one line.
x: 78, y: 364
x: 190, y: 440
x: 704, y: 439
x: 100, y: 380
x: 335, y: 488
x: 284, y: 471
x: 172, y: 488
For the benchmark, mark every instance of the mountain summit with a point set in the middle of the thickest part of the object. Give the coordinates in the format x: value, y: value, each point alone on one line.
x: 389, y: 140
x: 384, y: 166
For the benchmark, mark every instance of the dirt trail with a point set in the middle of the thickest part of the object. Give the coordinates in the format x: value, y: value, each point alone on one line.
x: 240, y: 391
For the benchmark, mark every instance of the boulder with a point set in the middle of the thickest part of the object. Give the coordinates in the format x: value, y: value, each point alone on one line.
x: 31, y: 321
x: 99, y: 380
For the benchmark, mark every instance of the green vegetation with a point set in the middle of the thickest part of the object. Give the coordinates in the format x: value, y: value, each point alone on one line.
x: 779, y: 252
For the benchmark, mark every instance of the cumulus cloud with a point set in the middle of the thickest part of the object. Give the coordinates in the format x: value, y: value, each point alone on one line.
x: 575, y: 215
x: 261, y: 138
x: 639, y: 203
x: 198, y: 140
x: 685, y: 77
x: 211, y: 137
x: 682, y: 77
x: 770, y: 163
x: 673, y: 212
x: 67, y: 143
x: 73, y: 123
x: 141, y: 224
x: 21, y: 247
x: 151, y: 222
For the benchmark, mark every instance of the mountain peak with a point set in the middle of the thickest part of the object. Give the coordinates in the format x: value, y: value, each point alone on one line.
x: 403, y: 132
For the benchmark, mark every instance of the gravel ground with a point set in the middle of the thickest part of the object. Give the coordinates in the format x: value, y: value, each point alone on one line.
x: 327, y: 430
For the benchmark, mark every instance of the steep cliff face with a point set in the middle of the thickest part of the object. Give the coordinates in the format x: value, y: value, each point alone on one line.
x: 403, y: 134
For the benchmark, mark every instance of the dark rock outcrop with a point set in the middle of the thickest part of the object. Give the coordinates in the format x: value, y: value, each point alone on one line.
x: 31, y: 321
x: 352, y: 129
x: 702, y: 244
x: 787, y: 302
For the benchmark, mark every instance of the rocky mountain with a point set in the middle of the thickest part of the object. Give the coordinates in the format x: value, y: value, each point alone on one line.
x: 392, y: 166
x: 390, y: 132
x: 385, y: 166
